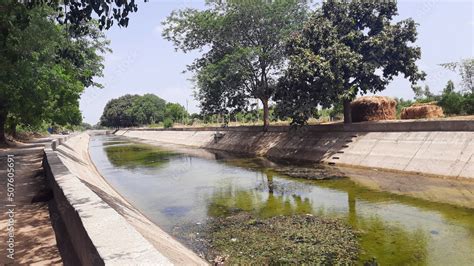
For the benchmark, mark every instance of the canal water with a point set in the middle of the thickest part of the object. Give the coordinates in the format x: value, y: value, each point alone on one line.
x: 174, y: 188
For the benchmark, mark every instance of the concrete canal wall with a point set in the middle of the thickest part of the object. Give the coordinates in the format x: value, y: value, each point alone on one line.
x: 440, y: 148
x: 103, y: 228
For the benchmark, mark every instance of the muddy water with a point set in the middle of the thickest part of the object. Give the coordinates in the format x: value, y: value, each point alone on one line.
x: 173, y: 188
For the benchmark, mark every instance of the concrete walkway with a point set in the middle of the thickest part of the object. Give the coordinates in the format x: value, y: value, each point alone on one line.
x: 35, y: 241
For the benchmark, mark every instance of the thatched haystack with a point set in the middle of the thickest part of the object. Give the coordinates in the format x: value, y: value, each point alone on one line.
x: 426, y: 110
x: 373, y: 108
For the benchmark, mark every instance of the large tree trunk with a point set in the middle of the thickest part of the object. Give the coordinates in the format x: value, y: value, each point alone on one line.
x: 3, y: 118
x: 347, y: 111
x: 266, y: 115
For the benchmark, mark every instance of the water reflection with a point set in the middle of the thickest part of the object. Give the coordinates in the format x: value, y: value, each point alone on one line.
x: 392, y: 229
x: 136, y: 155
x: 388, y: 243
x: 227, y: 202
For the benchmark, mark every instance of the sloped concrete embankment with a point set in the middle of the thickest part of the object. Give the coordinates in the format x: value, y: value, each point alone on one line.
x: 439, y: 148
x: 103, y: 228
x: 404, y: 158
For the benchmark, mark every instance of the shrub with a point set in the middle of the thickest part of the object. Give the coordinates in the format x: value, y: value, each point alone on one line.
x: 469, y: 103
x: 452, y: 103
x: 167, y: 123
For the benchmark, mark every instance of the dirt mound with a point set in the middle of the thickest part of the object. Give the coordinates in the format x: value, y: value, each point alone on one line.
x: 373, y: 108
x: 417, y: 111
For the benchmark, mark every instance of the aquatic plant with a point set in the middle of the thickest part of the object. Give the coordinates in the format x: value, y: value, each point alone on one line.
x: 299, y: 239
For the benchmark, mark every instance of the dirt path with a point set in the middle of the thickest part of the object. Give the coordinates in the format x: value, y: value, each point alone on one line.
x: 35, y: 241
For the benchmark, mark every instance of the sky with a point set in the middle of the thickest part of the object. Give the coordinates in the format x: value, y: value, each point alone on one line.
x: 143, y: 62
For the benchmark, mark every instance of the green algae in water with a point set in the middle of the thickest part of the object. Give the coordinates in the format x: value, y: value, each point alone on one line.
x: 115, y: 142
x: 402, y: 243
x: 392, y: 244
x: 137, y: 155
x: 245, y: 239
x: 390, y: 229
x: 380, y: 242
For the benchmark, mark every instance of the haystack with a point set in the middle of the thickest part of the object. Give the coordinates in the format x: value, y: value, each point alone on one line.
x: 373, y: 108
x: 417, y: 111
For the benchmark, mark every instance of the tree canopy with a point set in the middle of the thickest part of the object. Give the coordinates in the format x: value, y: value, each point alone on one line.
x: 78, y: 13
x: 44, y: 70
x: 135, y: 110
x: 175, y: 112
x: 118, y: 112
x: 50, y: 50
x: 244, y: 44
x: 346, y: 48
x: 148, y: 109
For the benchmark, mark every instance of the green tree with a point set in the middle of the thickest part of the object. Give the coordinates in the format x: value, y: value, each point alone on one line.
x: 449, y: 87
x: 466, y: 70
x: 451, y: 101
x: 133, y: 110
x: 78, y: 13
x: 175, y: 112
x: 43, y: 71
x: 148, y: 109
x: 244, y: 43
x: 167, y: 123
x: 118, y: 112
x: 344, y: 49
x: 469, y: 103
x: 216, y: 83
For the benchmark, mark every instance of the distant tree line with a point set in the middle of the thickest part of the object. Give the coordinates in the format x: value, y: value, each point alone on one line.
x: 135, y: 110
